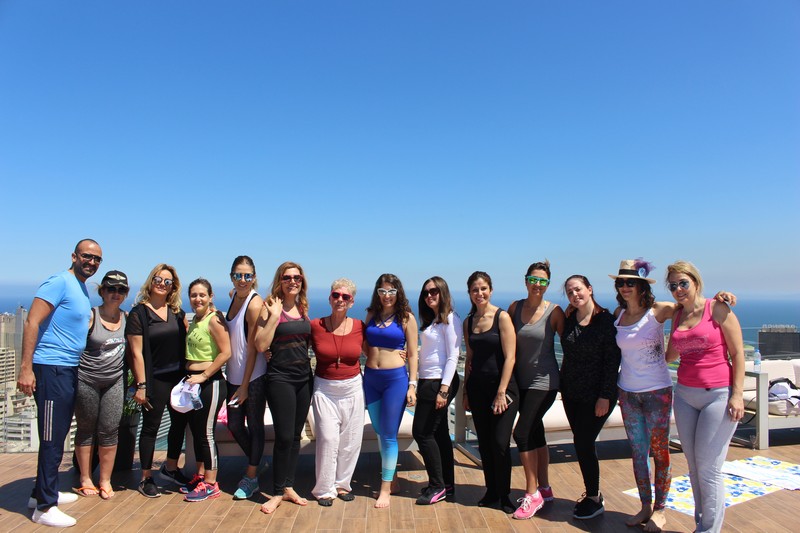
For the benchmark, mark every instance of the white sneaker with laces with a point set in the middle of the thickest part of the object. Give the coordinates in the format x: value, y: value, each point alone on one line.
x: 53, y: 517
x: 63, y: 497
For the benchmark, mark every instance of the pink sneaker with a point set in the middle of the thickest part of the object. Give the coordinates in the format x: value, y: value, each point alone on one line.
x: 547, y: 493
x: 528, y: 505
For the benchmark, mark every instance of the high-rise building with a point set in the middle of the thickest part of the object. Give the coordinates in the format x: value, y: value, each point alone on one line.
x: 779, y: 341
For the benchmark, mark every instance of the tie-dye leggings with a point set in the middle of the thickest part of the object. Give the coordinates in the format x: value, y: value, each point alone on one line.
x: 646, y: 416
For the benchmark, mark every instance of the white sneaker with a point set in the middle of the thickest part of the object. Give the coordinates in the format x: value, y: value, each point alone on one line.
x: 63, y: 497
x: 53, y: 517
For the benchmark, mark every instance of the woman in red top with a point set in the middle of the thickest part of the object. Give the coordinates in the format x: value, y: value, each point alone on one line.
x: 338, y: 400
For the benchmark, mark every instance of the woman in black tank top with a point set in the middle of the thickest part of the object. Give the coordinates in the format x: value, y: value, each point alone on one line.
x: 491, y: 393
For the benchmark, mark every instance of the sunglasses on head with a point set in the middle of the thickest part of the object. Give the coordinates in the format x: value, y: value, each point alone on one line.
x: 625, y: 282
x: 297, y: 278
x: 91, y: 257
x: 533, y: 280
x: 346, y: 297
x: 158, y: 280
x: 118, y: 290
x: 238, y: 276
x: 430, y: 292
x: 683, y: 284
x: 387, y: 292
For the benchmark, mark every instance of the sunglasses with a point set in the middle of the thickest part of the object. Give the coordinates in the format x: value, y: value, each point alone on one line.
x: 158, y: 280
x: 620, y: 282
x: 238, y: 276
x: 346, y: 297
x: 533, y: 280
x: 683, y: 284
x: 91, y: 257
x: 118, y: 290
x: 430, y: 292
x: 387, y: 292
x: 297, y: 278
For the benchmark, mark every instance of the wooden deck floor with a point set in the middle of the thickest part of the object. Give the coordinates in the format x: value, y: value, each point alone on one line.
x: 129, y: 511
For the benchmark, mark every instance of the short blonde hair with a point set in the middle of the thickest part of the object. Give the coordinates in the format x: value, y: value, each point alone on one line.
x: 346, y: 284
x: 688, y: 269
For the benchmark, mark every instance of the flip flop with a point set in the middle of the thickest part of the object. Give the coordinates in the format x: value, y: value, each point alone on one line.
x: 106, y: 494
x: 82, y: 491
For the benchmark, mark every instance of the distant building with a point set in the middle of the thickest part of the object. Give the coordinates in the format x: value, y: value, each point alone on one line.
x: 779, y: 341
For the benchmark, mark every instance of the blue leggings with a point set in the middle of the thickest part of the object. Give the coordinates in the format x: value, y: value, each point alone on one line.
x: 385, y: 395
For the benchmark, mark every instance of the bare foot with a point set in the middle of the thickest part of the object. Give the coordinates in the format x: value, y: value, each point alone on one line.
x: 383, y: 500
x: 270, y: 505
x: 656, y: 522
x: 639, y: 518
x: 291, y: 496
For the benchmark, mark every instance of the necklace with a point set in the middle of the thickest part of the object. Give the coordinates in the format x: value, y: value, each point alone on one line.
x: 337, y: 344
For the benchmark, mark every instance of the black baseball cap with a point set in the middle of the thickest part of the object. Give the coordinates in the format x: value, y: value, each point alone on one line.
x: 115, y: 278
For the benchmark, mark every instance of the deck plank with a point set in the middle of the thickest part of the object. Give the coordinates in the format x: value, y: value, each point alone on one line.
x: 129, y: 511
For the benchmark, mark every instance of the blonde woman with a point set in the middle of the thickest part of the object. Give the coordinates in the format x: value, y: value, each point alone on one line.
x: 156, y: 333
x: 707, y: 338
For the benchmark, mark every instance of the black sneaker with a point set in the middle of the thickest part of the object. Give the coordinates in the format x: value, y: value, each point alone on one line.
x: 432, y: 495
x: 175, y: 475
x: 450, y: 493
x: 148, y: 488
x: 587, y: 508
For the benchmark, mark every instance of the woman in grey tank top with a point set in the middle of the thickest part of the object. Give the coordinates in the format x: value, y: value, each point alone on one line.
x: 536, y: 322
x: 99, y: 396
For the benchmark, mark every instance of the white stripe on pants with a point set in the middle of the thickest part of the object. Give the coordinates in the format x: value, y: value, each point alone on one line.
x: 338, y: 407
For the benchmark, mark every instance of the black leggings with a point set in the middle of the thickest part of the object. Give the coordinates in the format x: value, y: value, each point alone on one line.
x: 158, y: 394
x: 250, y: 436
x: 585, y: 429
x: 494, y: 433
x: 533, y: 405
x: 432, y: 432
x: 289, y: 403
x: 203, y: 421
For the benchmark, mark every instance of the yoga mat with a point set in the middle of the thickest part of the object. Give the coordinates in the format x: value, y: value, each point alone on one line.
x: 737, y: 490
x: 780, y: 473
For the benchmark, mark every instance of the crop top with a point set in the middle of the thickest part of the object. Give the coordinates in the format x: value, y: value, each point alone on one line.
x: 390, y: 336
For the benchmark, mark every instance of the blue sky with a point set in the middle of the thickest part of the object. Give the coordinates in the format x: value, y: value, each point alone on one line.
x: 412, y: 137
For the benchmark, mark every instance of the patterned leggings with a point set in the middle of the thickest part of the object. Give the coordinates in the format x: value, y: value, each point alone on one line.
x: 646, y: 416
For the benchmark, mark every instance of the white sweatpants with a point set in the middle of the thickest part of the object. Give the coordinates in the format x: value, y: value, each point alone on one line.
x: 338, y: 407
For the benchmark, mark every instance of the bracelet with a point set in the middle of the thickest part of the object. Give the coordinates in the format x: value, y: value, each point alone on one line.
x: 413, y: 382
x: 205, y: 376
x: 141, y: 385
x: 443, y: 394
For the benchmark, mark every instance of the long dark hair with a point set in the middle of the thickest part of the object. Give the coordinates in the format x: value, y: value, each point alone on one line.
x: 475, y: 276
x: 426, y: 314
x: 583, y: 279
x: 402, y: 308
x: 646, y: 297
x: 245, y: 260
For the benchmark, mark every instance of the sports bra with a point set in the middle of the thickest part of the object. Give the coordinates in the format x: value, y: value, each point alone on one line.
x: 391, y: 336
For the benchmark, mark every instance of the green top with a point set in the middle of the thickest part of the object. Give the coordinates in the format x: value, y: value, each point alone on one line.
x: 200, y: 345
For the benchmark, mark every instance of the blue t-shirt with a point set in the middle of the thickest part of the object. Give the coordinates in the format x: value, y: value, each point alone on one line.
x: 62, y: 335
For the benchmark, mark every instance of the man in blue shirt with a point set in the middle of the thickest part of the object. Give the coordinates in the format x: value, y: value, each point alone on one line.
x: 53, y: 338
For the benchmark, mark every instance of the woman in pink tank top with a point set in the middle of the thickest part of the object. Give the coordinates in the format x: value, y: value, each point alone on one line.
x: 707, y: 338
